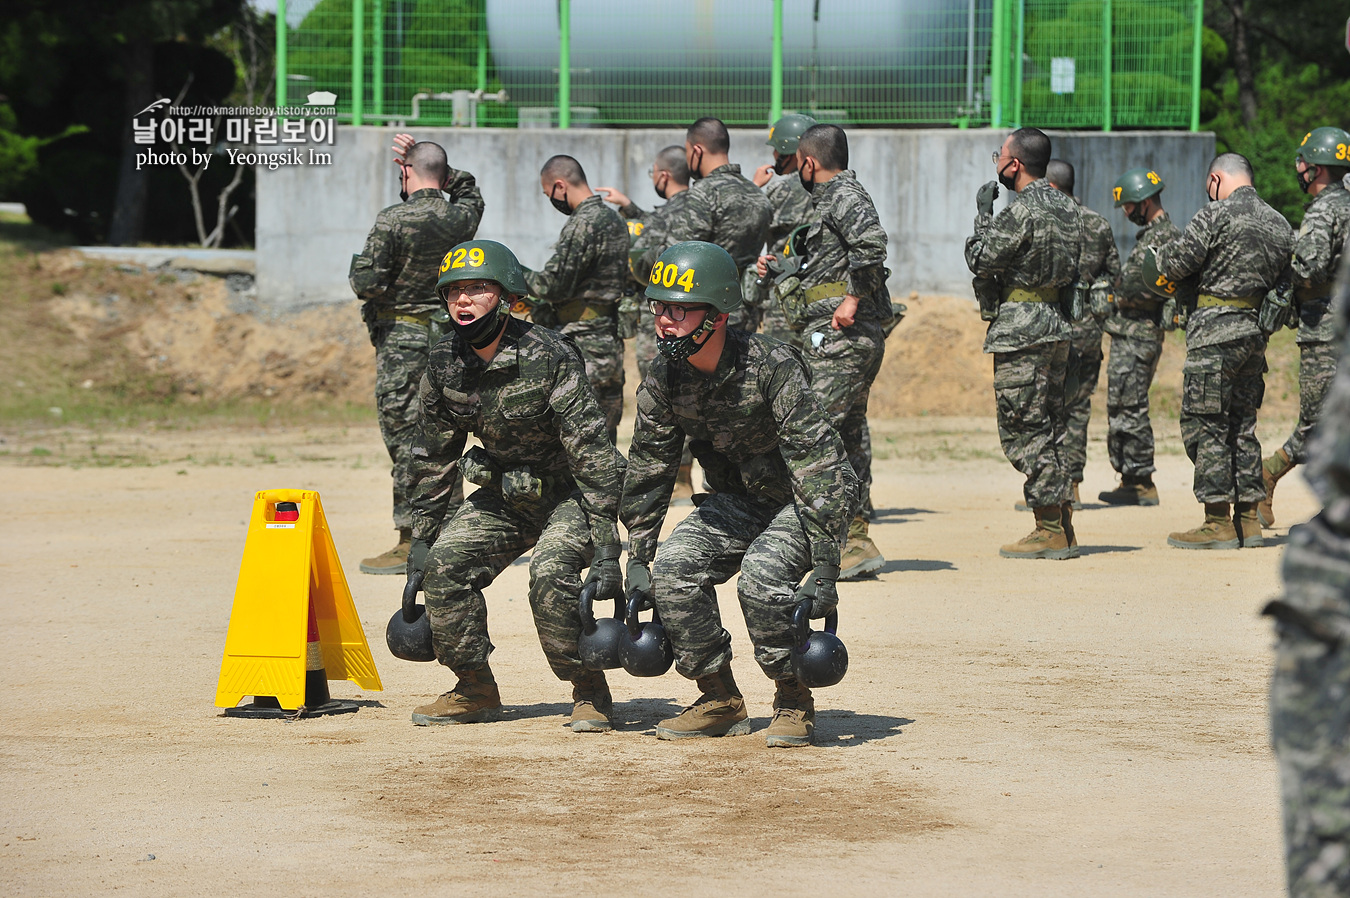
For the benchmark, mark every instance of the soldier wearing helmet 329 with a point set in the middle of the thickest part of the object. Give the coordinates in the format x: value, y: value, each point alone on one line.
x: 1322, y: 161
x: 791, y: 210
x: 784, y: 494
x: 1136, y: 325
x: 548, y: 478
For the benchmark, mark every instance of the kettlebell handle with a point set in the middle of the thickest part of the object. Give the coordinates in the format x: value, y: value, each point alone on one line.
x: 585, y: 607
x: 801, y: 623
x: 410, y: 591
x: 634, y: 625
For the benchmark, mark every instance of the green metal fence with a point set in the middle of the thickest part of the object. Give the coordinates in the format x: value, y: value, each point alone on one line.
x: 1098, y: 64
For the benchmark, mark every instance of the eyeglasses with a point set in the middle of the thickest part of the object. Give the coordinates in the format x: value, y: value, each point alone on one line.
x: 997, y: 154
x: 473, y: 288
x: 672, y: 311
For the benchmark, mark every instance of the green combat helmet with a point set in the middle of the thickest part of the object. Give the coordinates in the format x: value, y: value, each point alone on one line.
x: 1161, y: 285
x: 482, y: 260
x: 1325, y: 146
x: 697, y: 273
x: 1137, y: 185
x: 785, y: 133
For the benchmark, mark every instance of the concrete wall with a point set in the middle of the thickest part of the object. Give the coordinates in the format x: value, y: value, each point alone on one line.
x: 312, y: 218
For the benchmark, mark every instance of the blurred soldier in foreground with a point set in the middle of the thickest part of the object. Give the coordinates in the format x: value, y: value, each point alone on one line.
x: 784, y: 493
x: 548, y: 478
x: 791, y: 210
x: 839, y: 304
x: 1310, y: 690
x: 1136, y: 324
x: 395, y: 278
x: 1099, y: 266
x: 1321, y: 163
x: 1023, y: 259
x: 1237, y: 247
x: 584, y: 281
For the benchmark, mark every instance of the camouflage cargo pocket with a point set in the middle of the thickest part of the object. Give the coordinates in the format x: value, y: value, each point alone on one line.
x: 1202, y: 386
x: 1017, y: 392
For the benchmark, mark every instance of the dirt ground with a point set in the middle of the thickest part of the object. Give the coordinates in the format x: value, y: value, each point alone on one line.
x: 1092, y: 727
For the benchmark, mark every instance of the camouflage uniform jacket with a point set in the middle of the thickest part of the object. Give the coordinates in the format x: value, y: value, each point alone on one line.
x: 655, y: 234
x: 1099, y: 267
x: 1317, y: 254
x: 397, y: 270
x: 590, y: 260
x: 1136, y: 308
x: 727, y: 209
x: 847, y: 244
x: 792, y: 208
x: 530, y: 407
x: 1035, y: 242
x: 1238, y: 246
x: 758, y: 418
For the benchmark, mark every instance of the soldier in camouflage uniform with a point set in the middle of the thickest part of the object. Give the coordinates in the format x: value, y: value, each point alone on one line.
x: 840, y: 305
x: 792, y: 208
x: 1236, y: 247
x: 1136, y: 327
x: 1099, y: 266
x: 1321, y: 163
x: 1310, y: 689
x: 723, y: 207
x: 395, y: 278
x: 584, y: 281
x: 784, y: 494
x: 548, y: 477
x: 1023, y: 259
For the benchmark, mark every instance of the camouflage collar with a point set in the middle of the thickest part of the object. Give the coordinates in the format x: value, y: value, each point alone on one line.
x: 1152, y: 224
x: 730, y: 168
x: 425, y: 193
x: 1326, y: 193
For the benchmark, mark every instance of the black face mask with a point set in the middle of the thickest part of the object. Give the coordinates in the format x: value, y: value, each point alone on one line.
x: 1212, y: 197
x: 1138, y: 216
x: 693, y: 166
x: 661, y: 191
x: 560, y: 204
x: 808, y: 186
x: 780, y: 164
x: 480, y: 332
x: 1306, y: 177
x: 1010, y: 183
x: 677, y: 349
x: 403, y: 185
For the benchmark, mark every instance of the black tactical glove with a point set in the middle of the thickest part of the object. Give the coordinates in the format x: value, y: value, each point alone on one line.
x: 417, y: 556
x: 605, y: 574
x: 820, y: 588
x: 640, y: 582
x: 985, y: 196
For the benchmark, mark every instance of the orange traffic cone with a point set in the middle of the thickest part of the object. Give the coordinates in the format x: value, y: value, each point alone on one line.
x: 318, y: 701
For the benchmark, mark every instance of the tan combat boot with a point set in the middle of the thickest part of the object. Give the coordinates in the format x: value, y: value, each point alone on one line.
x: 719, y: 711
x: 861, y: 556
x: 1272, y: 469
x: 1247, y: 521
x: 1132, y: 491
x: 1066, y: 517
x: 1048, y: 540
x: 474, y: 699
x: 395, y: 561
x: 684, y: 485
x: 794, y: 716
x: 591, y: 703
x: 1216, y: 533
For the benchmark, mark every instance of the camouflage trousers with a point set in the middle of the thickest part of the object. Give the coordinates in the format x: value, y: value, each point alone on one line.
x: 644, y: 344
x: 1029, y: 393
x: 1129, y: 374
x: 602, y: 351
x: 1080, y: 382
x: 477, y: 544
x: 726, y: 534
x: 1222, y: 388
x: 843, y: 363
x: 1316, y: 368
x: 401, y: 352
x: 775, y: 324
x: 1310, y: 715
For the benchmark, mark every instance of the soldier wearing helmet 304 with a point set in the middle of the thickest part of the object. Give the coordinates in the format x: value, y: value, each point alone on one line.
x: 791, y: 210
x: 839, y: 303
x: 1322, y: 161
x: 1236, y: 248
x: 548, y: 478
x: 1022, y: 260
x: 1099, y: 266
x: 1136, y: 325
x: 395, y: 277
x: 784, y: 493
x: 584, y: 281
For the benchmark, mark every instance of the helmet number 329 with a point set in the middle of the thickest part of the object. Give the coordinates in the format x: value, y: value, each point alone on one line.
x: 456, y: 258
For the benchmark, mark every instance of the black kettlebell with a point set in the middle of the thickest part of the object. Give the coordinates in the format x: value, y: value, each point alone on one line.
x: 600, y: 639
x: 409, y: 632
x: 644, y: 650
x: 819, y: 658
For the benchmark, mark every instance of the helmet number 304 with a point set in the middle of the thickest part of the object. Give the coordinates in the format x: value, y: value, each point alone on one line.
x: 456, y: 258
x: 666, y: 275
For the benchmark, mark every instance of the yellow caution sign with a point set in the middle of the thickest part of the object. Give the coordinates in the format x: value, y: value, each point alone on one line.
x: 290, y: 562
